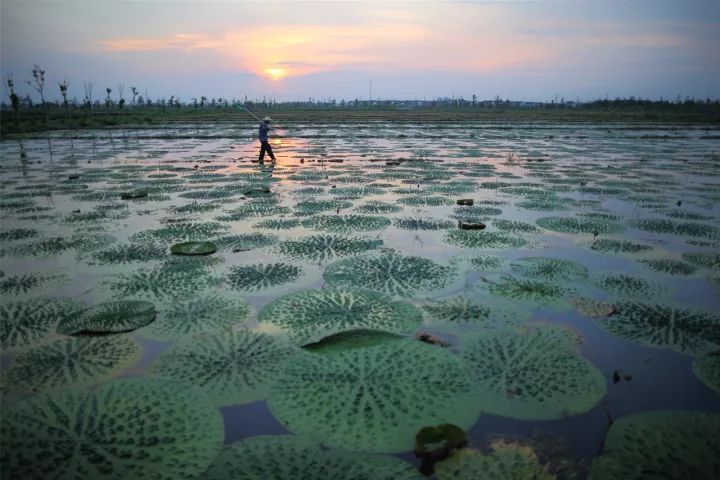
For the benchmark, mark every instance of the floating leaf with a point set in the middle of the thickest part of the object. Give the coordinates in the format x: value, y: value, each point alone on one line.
x: 514, y: 226
x: 378, y: 207
x: 287, y: 457
x: 311, y: 207
x: 322, y: 248
x: 389, y: 273
x: 278, y: 224
x: 180, y: 232
x: 187, y: 318
x: 487, y: 263
x: 579, y: 225
x: 129, y: 253
x: 683, y: 330
x: 232, y: 368
x: 670, y: 266
x: 507, y: 460
x: 550, y: 269
x: 32, y: 282
x: 18, y: 234
x: 261, y: 276
x: 109, y: 317
x: 619, y: 246
x: 311, y: 315
x: 629, y: 286
x: 530, y: 290
x: 193, y: 248
x: 28, y: 323
x: 661, y: 444
x: 412, y: 223
x: 591, y: 307
x: 422, y: 201
x: 532, y: 374
x: 72, y: 362
x: 130, y: 428
x: 703, y: 259
x: 373, y: 398
x: 349, y: 339
x: 346, y: 223
x: 171, y: 280
x: 707, y: 369
x: 482, y: 239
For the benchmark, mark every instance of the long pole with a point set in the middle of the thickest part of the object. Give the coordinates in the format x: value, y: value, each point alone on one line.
x: 248, y: 111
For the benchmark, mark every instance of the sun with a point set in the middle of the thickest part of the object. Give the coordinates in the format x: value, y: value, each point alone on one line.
x: 276, y: 73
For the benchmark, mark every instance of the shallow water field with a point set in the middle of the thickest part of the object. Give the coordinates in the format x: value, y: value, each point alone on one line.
x: 171, y: 309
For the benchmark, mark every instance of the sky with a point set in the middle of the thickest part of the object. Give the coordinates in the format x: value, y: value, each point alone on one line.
x: 295, y: 50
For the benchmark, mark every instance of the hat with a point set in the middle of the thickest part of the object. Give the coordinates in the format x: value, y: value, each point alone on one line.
x: 267, y: 119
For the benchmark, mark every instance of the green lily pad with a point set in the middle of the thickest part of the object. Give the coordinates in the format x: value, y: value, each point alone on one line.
x: 32, y: 282
x: 683, y: 330
x: 579, y: 225
x: 287, y: 457
x: 311, y: 315
x: 670, y: 266
x: 278, y: 224
x: 619, y: 246
x: 487, y: 263
x: 130, y: 428
x: 528, y: 290
x: 323, y: 248
x: 27, y: 323
x: 169, y: 281
x: 375, y: 398
x: 629, y: 286
x: 709, y: 260
x: 390, y: 273
x: 232, y: 368
x: 445, y: 436
x: 246, y: 241
x: 660, y: 444
x: 346, y: 223
x: 374, y: 207
x: 426, y: 201
x: 482, y: 239
x: 262, y: 276
x: 413, y: 223
x: 550, y: 269
x: 72, y: 362
x: 109, y: 317
x: 186, y: 318
x: 707, y: 369
x: 514, y: 226
x: 193, y: 248
x: 532, y: 373
x: 129, y: 253
x: 311, y: 207
x: 350, y: 339
x: 506, y: 461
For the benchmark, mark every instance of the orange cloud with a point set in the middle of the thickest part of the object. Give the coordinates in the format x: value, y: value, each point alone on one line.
x: 277, y: 52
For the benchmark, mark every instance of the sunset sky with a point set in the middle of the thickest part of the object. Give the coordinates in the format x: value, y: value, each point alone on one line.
x: 411, y: 49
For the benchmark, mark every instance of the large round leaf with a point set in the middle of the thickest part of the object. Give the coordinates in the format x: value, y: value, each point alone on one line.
x: 533, y: 373
x: 24, y: 324
x: 373, y: 398
x: 131, y: 428
x: 707, y: 369
x: 232, y: 367
x: 311, y: 315
x: 72, y: 362
x: 659, y: 444
x: 506, y: 461
x: 109, y: 317
x: 287, y: 457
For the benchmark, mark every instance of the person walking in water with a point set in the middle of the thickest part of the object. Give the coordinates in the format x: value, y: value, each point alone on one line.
x: 263, y: 137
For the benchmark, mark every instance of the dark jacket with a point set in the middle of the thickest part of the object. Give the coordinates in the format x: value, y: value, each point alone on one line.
x: 263, y: 132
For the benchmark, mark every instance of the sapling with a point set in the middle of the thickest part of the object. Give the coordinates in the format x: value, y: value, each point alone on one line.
x: 121, y: 101
x: 14, y: 99
x: 38, y: 84
x: 108, y: 101
x: 63, y: 91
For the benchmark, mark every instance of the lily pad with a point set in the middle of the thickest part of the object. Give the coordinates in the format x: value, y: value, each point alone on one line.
x: 629, y: 286
x: 350, y: 339
x: 374, y: 398
x: 27, y: 323
x: 193, y: 248
x: 109, y: 317
x: 532, y: 374
x: 378, y: 207
x: 322, y: 248
x: 130, y: 428
x: 346, y: 223
x: 262, y: 276
x: 528, y: 290
x: 311, y: 315
x: 709, y: 260
x: 32, y: 282
x: 550, y: 269
x: 579, y: 225
x: 413, y: 223
x: 287, y: 457
x: 72, y: 362
x: 707, y: 369
x: 506, y: 461
x: 187, y: 318
x: 390, y: 273
x: 482, y: 239
x: 686, y: 331
x: 671, y: 266
x: 619, y: 246
x: 232, y: 368
x: 660, y: 444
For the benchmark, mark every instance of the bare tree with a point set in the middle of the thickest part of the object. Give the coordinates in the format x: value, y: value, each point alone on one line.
x: 88, y: 86
x: 108, y: 100
x: 121, y: 101
x: 38, y: 84
x: 14, y: 99
x: 134, y: 94
x: 63, y: 91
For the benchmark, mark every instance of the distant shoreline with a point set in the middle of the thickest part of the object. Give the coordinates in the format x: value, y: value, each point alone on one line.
x: 33, y: 122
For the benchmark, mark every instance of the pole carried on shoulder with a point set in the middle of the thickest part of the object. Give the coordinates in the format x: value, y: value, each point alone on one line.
x: 248, y: 111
